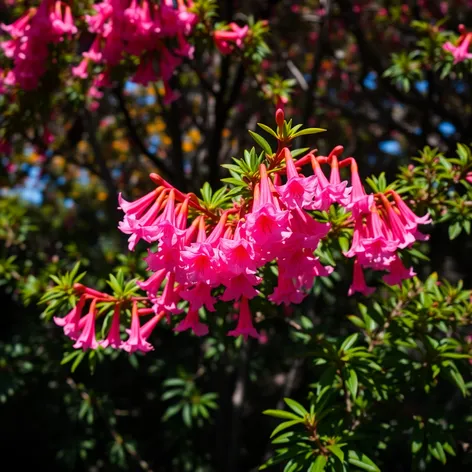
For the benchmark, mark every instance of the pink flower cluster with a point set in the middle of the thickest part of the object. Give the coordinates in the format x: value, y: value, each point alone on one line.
x: 80, y: 327
x: 31, y: 36
x: 230, y: 38
x: 461, y: 50
x: 139, y: 28
x: 203, y: 256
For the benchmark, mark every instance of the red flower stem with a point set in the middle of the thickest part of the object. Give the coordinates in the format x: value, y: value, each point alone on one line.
x: 145, y: 311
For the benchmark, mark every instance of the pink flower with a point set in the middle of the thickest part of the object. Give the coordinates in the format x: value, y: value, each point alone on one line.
x: 140, y: 218
x: 298, y: 192
x: 286, y: 291
x: 145, y: 73
x: 378, y: 245
x: 169, y: 298
x: 87, y: 340
x: 153, y: 283
x: 140, y: 205
x: 461, y: 51
x: 136, y: 341
x: 31, y: 36
x: 227, y: 40
x: 306, y: 232
x: 238, y: 254
x: 359, y: 202
x: 244, y: 327
x: 410, y: 220
x: 266, y: 224
x: 113, y: 339
x: 328, y: 191
x: 358, y: 282
x: 70, y: 323
x: 199, y: 296
x: 81, y: 70
x: 19, y: 28
x: 200, y: 262
x: 192, y: 321
x: 241, y: 285
x: 398, y: 230
x: 94, y: 53
x: 398, y: 272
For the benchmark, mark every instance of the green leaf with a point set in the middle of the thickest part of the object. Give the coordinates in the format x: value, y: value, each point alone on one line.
x: 269, y: 130
x: 286, y: 415
x: 305, y: 131
x: 171, y: 411
x: 297, y: 152
x: 319, y: 464
x: 352, y: 383
x: 77, y: 361
x: 171, y: 394
x: 417, y: 440
x: 174, y: 382
x: 206, y: 192
x: 296, y: 407
x: 362, y: 461
x: 187, y: 415
x: 262, y: 142
x: 356, y: 321
x: 349, y: 342
x: 337, y: 451
x: 233, y: 181
x: 437, y: 451
x: 454, y: 230
x: 285, y: 425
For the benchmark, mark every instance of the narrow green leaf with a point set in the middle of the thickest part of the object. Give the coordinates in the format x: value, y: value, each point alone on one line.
x: 356, y: 321
x: 286, y: 415
x: 352, y: 383
x: 308, y: 131
x: 187, y: 415
x: 337, y: 451
x: 297, y: 152
x: 319, y: 464
x: 437, y: 451
x: 174, y: 382
x: 285, y: 425
x: 362, y: 461
x: 269, y: 130
x: 348, y: 342
x: 296, y: 407
x: 171, y: 394
x: 262, y: 142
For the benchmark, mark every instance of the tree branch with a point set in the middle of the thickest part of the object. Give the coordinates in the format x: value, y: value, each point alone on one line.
x: 221, y: 115
x: 162, y: 165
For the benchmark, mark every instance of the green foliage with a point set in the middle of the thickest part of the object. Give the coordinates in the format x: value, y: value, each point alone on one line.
x: 187, y: 400
x: 408, y: 343
x: 441, y: 185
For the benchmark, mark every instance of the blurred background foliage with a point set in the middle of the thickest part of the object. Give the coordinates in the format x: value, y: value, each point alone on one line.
x: 372, y: 73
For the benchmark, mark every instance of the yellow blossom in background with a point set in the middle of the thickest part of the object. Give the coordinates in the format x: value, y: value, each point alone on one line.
x: 33, y: 158
x: 195, y: 135
x: 82, y: 146
x: 160, y: 125
x: 151, y: 128
x: 58, y: 161
x: 120, y: 145
x: 102, y: 196
x: 166, y: 140
x: 188, y: 146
